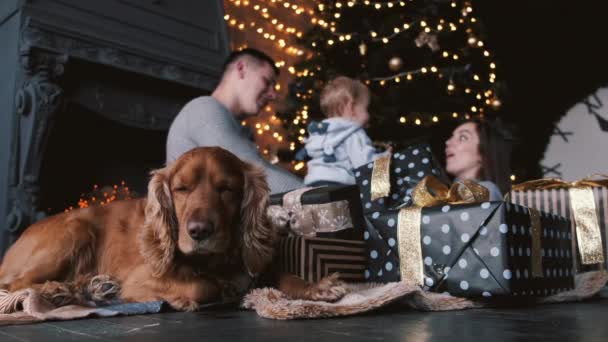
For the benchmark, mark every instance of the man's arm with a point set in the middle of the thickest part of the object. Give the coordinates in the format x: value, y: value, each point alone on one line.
x: 208, y: 125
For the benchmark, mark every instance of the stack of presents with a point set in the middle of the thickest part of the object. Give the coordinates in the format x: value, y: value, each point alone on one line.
x: 402, y: 222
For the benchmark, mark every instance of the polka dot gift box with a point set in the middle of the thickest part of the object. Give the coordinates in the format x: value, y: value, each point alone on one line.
x: 472, y: 250
x: 388, y: 182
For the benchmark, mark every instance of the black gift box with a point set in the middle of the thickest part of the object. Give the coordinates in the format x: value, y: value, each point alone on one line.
x: 334, y: 193
x: 407, y: 168
x: 315, y: 258
x: 482, y: 249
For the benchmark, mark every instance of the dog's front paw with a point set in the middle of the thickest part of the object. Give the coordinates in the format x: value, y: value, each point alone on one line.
x: 184, y: 304
x: 60, y: 294
x: 103, y: 288
x: 328, y: 289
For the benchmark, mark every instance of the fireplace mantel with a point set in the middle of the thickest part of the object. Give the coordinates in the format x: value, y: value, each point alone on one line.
x: 59, y: 51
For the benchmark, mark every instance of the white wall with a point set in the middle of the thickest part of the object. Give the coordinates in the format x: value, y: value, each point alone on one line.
x: 584, y: 149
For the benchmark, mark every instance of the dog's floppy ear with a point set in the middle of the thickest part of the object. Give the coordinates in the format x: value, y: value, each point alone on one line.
x: 258, y: 236
x: 157, y: 239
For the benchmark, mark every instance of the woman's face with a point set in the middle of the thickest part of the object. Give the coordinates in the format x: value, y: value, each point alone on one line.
x: 463, y: 160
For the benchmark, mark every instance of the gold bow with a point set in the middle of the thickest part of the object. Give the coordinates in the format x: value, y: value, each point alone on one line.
x: 582, y: 202
x: 428, y: 192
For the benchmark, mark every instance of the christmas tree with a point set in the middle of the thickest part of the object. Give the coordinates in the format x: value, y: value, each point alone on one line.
x: 425, y: 62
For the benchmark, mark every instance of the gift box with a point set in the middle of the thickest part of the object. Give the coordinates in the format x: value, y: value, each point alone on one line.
x: 327, y: 211
x: 472, y: 250
x: 388, y: 181
x: 585, y: 203
x: 315, y: 258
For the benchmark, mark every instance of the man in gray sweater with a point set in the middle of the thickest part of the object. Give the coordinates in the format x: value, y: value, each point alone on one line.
x: 246, y: 86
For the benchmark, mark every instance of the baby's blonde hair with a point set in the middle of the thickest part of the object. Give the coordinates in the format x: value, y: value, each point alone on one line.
x: 341, y: 92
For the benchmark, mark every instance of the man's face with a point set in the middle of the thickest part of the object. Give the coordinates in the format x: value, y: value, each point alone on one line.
x: 257, y: 86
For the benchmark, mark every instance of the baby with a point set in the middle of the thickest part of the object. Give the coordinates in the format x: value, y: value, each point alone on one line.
x: 339, y: 144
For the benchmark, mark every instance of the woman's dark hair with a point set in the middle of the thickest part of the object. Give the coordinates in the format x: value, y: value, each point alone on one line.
x: 496, y: 142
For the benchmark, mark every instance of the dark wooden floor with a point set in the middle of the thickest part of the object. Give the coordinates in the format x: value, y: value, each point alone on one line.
x: 562, y: 322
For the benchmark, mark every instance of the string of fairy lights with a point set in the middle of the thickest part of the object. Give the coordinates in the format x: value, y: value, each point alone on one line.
x: 279, y: 25
x: 103, y: 195
x: 442, y: 24
x: 486, y: 98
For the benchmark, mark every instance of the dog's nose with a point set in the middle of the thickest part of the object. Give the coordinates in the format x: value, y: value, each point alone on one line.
x: 200, y: 230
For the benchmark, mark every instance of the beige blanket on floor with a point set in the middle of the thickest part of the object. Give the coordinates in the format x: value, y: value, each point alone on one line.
x: 271, y: 303
x: 27, y: 306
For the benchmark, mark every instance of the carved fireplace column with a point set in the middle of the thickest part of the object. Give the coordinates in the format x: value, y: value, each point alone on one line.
x: 36, y: 102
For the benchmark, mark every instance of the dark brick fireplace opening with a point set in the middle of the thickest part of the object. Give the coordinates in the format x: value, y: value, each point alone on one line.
x: 87, y: 149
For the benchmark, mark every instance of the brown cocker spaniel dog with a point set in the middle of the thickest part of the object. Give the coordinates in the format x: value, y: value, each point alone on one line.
x: 202, y: 226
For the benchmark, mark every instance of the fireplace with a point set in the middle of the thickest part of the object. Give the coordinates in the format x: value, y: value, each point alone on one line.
x: 85, y: 149
x: 91, y: 89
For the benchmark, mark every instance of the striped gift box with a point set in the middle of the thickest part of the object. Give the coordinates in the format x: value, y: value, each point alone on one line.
x: 315, y: 258
x: 557, y: 201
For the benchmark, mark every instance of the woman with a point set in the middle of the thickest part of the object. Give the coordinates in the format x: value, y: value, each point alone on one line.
x: 480, y: 150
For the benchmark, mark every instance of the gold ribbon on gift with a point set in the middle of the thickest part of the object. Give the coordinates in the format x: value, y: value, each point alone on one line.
x: 410, y: 249
x: 381, y: 179
x: 588, y: 234
x: 429, y: 192
x: 309, y: 219
x: 582, y: 202
x: 554, y: 183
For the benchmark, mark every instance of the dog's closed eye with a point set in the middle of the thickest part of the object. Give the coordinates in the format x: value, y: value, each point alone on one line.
x: 180, y: 188
x: 225, y: 189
